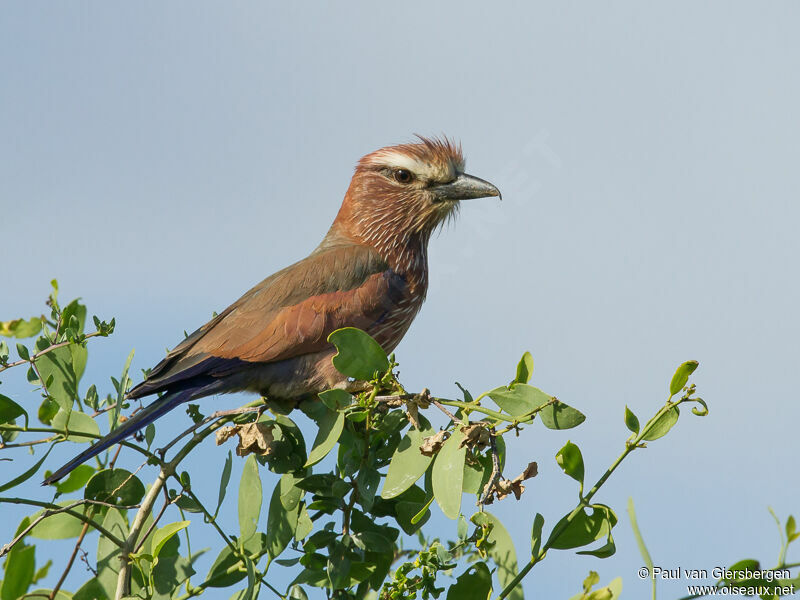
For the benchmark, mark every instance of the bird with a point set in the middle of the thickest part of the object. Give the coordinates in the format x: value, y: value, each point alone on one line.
x: 370, y: 271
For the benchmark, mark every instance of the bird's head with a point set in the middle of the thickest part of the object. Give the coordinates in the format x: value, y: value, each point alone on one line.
x: 400, y: 194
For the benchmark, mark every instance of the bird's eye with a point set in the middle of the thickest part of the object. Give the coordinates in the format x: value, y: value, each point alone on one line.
x: 403, y: 176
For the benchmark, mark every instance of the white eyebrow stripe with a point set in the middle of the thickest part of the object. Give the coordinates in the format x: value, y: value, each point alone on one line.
x: 424, y: 170
x: 404, y: 161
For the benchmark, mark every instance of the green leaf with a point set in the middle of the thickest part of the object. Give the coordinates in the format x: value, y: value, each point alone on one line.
x: 76, y: 423
x: 168, y: 574
x: 408, y: 505
x: 58, y: 526
x: 289, y: 446
x: 108, y: 562
x: 163, y: 534
x: 746, y: 563
x: 91, y: 590
x: 476, y: 475
x: 57, y: 367
x: 122, y: 389
x: 10, y: 410
x: 681, y: 376
x: 27, y: 474
x: 585, y: 528
x: 217, y: 576
x: 47, y: 410
x: 282, y: 522
x: 661, y: 424
x: 359, y: 356
x: 76, y: 480
x: 23, y: 352
x: 504, y: 556
x: 19, y: 569
x: 42, y: 572
x: 330, y: 428
x: 251, y: 580
x: 74, y: 316
x: 518, y: 398
x: 700, y: 412
x: 291, y: 493
x: 20, y: 328
x: 631, y: 421
x: 372, y: 542
x: 448, y: 474
x: 249, y: 498
x: 304, y: 525
x: 408, y: 463
x: 367, y: 484
x: 339, y: 566
x: 224, y: 479
x: 115, y: 486
x: 561, y: 416
x: 648, y: 561
x: 536, y: 534
x: 297, y: 593
x: 336, y: 399
x: 569, y: 458
x: 462, y: 529
x: 149, y: 434
x: 524, y: 369
x: 187, y: 504
x: 473, y: 584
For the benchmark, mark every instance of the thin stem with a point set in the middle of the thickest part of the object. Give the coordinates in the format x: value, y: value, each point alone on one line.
x: 123, y: 578
x: 45, y: 351
x: 167, y: 470
x: 630, y: 446
x: 70, y: 562
x: 496, y: 473
x: 450, y: 415
x: 65, y: 433
x: 477, y: 408
x: 160, y: 514
x: 31, y: 443
x: 53, y: 509
x: 216, y: 415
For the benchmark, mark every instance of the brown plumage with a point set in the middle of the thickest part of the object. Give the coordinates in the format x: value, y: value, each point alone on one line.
x: 370, y: 271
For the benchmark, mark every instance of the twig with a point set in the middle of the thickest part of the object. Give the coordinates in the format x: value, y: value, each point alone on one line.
x: 160, y: 514
x: 199, y: 424
x: 458, y: 404
x: 70, y: 561
x: 45, y: 351
x: 167, y: 470
x: 630, y: 446
x: 24, y: 444
x: 53, y: 509
x: 123, y: 578
x: 496, y: 473
x: 66, y: 432
x: 438, y: 405
x: 85, y: 560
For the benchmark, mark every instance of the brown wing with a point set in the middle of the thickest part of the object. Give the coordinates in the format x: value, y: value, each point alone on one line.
x: 288, y: 314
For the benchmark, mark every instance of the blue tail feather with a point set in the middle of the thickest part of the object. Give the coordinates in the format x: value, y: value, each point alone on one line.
x: 141, y: 419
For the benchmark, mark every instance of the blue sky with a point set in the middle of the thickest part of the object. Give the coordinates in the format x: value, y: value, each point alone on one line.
x: 159, y: 159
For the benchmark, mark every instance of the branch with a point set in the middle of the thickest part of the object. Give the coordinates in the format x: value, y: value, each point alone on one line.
x: 630, y: 446
x: 496, y: 473
x: 53, y: 509
x: 66, y: 432
x: 70, y: 562
x: 123, y: 578
x: 45, y: 351
x: 167, y: 470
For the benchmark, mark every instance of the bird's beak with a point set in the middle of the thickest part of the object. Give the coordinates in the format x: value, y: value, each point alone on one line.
x: 465, y: 187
